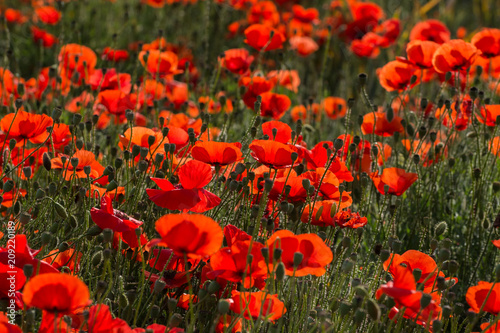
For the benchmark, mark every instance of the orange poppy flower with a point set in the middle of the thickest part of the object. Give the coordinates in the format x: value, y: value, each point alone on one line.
x: 14, y: 16
x: 322, y: 214
x: 489, y: 115
x: 476, y: 297
x: 236, y: 61
x: 286, y: 78
x: 377, y: 122
x: 397, y: 75
x: 160, y: 63
x: 305, y: 15
x: 140, y: 136
x: 335, y: 107
x: 7, y: 327
x: 264, y: 38
x: 397, y: 179
x: 25, y: 126
x: 304, y: 45
x: 257, y: 304
x: 77, y: 58
x: 316, y: 254
x: 298, y: 112
x: 114, y: 55
x: 217, y: 153
x: 420, y: 52
x: 431, y: 30
x: 85, y: 158
x: 425, y: 150
x: 495, y: 146
x: 230, y: 263
x: 155, y: 3
x: 273, y: 154
x: 460, y: 114
x: 454, y: 55
x: 115, y: 101
x: 193, y: 235
x: 48, y: 14
x: 226, y: 321
x: 490, y: 327
x: 69, y: 258
x: 110, y: 80
x: 56, y: 293
x: 43, y: 37
x: 367, y: 46
x: 274, y: 105
x: 283, y: 131
x: 488, y: 42
x: 256, y: 85
x: 264, y: 12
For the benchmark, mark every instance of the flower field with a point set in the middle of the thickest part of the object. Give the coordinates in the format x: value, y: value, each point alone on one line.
x: 249, y: 166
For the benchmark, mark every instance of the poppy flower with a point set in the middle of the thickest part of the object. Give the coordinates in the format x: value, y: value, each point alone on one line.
x: 233, y: 234
x: 286, y: 78
x: 273, y: 154
x: 25, y: 255
x: 108, y: 218
x: 100, y: 320
x: 316, y: 254
x: 488, y: 42
x: 230, y: 263
x: 114, y: 55
x: 426, y: 150
x: 193, y: 235
x: 56, y: 292
x: 494, y: 146
x: 83, y: 158
x: 236, y: 61
x: 489, y: 115
x: 305, y: 15
x: 367, y: 46
x: 7, y: 327
x: 304, y: 45
x: 160, y: 63
x: 335, y: 107
x: 217, y: 153
x: 397, y: 75
x: 431, y: 30
x: 110, y: 79
x: 264, y: 12
x: 274, y: 105
x: 77, y: 58
x: 283, y: 131
x: 142, y: 137
x: 256, y: 86
x: 377, y: 122
x: 25, y: 126
x: 9, y: 288
x: 189, y: 195
x: 388, y: 31
x: 264, y: 38
x: 398, y: 180
x: 476, y: 297
x: 257, y: 304
x: 226, y: 321
x: 48, y: 14
x: 69, y: 258
x: 322, y: 214
x: 14, y: 16
x: 115, y: 101
x: 43, y: 37
x: 348, y: 219
x: 420, y: 52
x: 454, y: 55
x: 460, y: 115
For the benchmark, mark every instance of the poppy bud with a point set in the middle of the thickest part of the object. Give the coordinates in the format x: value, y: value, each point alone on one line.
x: 346, y: 242
x: 344, y: 308
x: 25, y: 218
x: 101, y: 286
x: 477, y: 173
x: 410, y: 130
x: 437, y: 325
x: 159, y: 158
x: 297, y: 259
x: 440, y: 228
x: 444, y: 254
x: 63, y: 247
x: 107, y: 235
x: 268, y: 185
x: 159, y: 286
x: 373, y: 309
x: 446, y: 243
x: 223, y: 306
x: 417, y: 274
x: 384, y: 255
x: 97, y: 259
x: 425, y: 301
x: 56, y: 114
x: 213, y: 287
x: 27, y: 172
x: 265, y: 253
x: 142, y: 166
x: 280, y: 272
x: 497, y: 272
x: 390, y: 114
x: 93, y: 231
x: 347, y: 266
x: 277, y: 254
x: 28, y: 270
x: 413, y: 79
x: 359, y: 316
x: 473, y: 91
x: 447, y: 76
x: 60, y: 210
x: 362, y: 79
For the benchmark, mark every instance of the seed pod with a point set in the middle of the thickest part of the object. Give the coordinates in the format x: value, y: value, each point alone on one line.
x: 159, y: 286
x: 28, y: 270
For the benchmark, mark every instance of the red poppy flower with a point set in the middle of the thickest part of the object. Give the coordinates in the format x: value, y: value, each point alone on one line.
x: 25, y: 126
x: 335, y: 107
x: 226, y: 321
x: 460, y: 114
x: 56, y: 292
x: 101, y: 320
x: 420, y: 52
x: 193, y: 235
x: 43, y: 37
x: 115, y: 101
x: 69, y: 258
x: 367, y: 46
x: 110, y: 79
x: 283, y: 131
x: 377, y: 122
x: 488, y: 42
x: 273, y: 154
x: 14, y: 16
x: 25, y: 255
x: 431, y: 30
x: 77, y: 58
x: 140, y: 136
x: 495, y: 146
x: 236, y: 60
x: 454, y: 55
x: 160, y: 63
x: 304, y: 45
x: 257, y: 304
x: 12, y: 279
x: 316, y: 254
x: 114, y: 55
x: 48, y: 14
x: 263, y: 12
x: 397, y: 75
x: 274, y: 105
x: 217, y: 153
x: 305, y: 15
x: 476, y: 297
x: 84, y: 158
x: 348, y: 219
x: 189, y: 195
x: 256, y: 86
x: 322, y: 214
x: 397, y: 179
x: 233, y: 234
x: 286, y: 78
x: 425, y: 150
x: 489, y: 115
x: 264, y: 38
x: 7, y: 327
x: 108, y: 218
x: 231, y: 263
